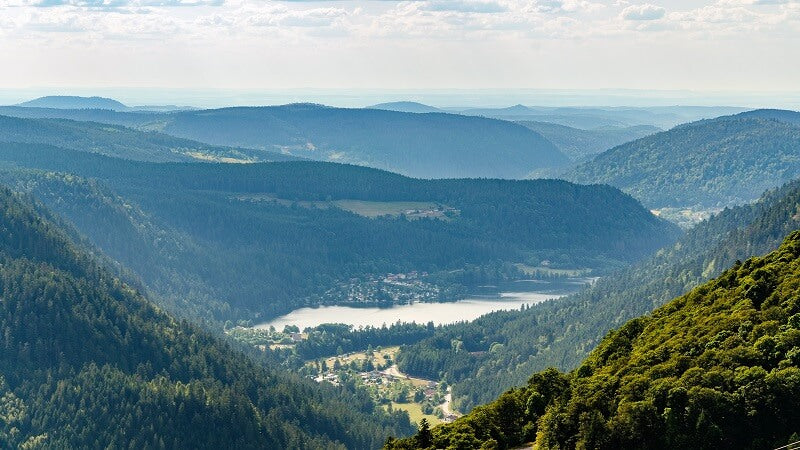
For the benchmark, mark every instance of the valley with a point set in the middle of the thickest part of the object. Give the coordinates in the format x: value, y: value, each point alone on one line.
x: 413, y: 298
x: 399, y: 225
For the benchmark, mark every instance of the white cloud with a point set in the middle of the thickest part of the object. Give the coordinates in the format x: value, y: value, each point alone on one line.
x: 527, y: 42
x: 646, y: 11
x: 109, y: 4
x: 465, y: 6
x: 566, y: 6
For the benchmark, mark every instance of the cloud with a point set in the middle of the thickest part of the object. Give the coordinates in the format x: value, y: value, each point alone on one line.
x: 646, y: 11
x: 465, y: 6
x: 566, y: 6
x: 112, y: 4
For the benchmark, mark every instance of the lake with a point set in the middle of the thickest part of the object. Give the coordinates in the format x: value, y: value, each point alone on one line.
x: 511, y: 296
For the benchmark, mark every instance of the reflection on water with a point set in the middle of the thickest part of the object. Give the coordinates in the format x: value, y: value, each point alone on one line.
x: 512, y: 296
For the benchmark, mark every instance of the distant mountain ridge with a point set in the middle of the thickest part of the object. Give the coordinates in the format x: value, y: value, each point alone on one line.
x: 581, y: 144
x: 75, y: 102
x: 435, y: 145
x: 427, y: 146
x: 711, y: 163
x: 591, y: 118
x: 123, y: 142
x: 412, y: 107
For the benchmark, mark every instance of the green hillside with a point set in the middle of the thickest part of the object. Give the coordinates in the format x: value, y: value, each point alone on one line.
x: 718, y: 367
x: 561, y: 333
x: 252, y: 241
x: 87, y: 362
x: 435, y: 145
x: 123, y: 142
x: 713, y: 163
x: 580, y: 145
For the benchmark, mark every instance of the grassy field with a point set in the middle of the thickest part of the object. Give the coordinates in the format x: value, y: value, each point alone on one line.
x: 415, y: 412
x: 412, y: 210
x: 548, y: 271
x: 361, y: 207
x: 377, y: 356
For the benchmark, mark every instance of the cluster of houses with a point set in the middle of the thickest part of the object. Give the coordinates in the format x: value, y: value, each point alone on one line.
x: 376, y: 377
x: 397, y: 288
x: 330, y: 377
x: 430, y: 389
x: 438, y: 212
x: 400, y: 277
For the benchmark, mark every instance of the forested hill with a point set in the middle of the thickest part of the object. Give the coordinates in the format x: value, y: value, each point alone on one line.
x: 435, y: 145
x: 579, y: 145
x: 775, y: 114
x: 718, y: 367
x: 73, y: 102
x: 249, y: 241
x: 719, y: 162
x: 123, y: 142
x: 87, y: 362
x: 503, y: 349
x: 412, y: 107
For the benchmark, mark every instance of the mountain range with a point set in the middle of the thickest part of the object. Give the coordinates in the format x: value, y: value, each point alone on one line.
x: 561, y: 333
x: 425, y: 146
x: 252, y: 241
x: 589, y: 118
x: 101, y: 103
x: 123, y: 142
x: 711, y: 163
x: 581, y: 145
x: 128, y: 238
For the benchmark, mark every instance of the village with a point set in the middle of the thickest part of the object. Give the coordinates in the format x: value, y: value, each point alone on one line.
x: 373, y: 370
x: 388, y: 386
x: 388, y: 289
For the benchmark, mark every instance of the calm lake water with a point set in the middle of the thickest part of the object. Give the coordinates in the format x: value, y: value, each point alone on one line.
x: 512, y: 296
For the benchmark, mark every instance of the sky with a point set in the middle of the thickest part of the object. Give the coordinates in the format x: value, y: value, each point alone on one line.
x: 715, y: 50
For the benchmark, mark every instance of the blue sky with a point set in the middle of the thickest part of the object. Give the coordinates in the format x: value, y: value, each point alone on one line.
x: 717, y: 45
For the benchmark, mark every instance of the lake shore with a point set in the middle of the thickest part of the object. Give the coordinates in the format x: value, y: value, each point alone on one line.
x: 470, y: 308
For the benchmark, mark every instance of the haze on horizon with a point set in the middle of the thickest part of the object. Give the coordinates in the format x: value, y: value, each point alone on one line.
x: 353, y: 53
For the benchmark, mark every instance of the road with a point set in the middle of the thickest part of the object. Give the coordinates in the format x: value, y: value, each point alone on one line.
x: 448, y: 398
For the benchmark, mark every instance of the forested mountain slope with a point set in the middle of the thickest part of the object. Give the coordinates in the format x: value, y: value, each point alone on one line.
x: 435, y: 145
x: 718, y: 367
x: 592, y: 118
x: 87, y: 362
x: 580, y: 144
x: 720, y: 162
x: 560, y: 333
x: 123, y: 142
x: 249, y: 241
x: 774, y: 114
